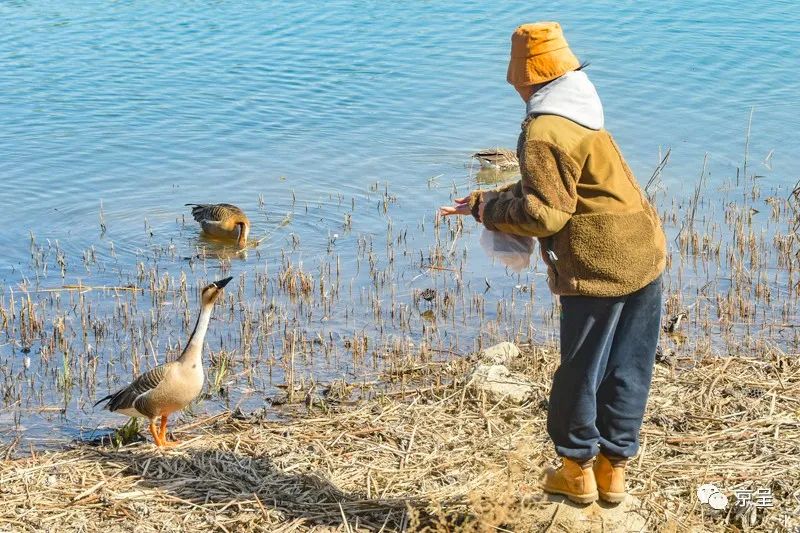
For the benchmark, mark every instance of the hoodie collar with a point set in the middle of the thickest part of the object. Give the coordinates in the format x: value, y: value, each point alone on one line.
x: 571, y: 96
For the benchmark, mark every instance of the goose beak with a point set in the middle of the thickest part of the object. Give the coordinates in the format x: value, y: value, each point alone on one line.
x: 220, y: 284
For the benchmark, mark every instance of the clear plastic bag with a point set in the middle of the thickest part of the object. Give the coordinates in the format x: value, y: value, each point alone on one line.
x: 513, y: 251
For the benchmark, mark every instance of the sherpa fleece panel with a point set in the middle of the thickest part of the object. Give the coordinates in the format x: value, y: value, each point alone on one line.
x: 599, y: 236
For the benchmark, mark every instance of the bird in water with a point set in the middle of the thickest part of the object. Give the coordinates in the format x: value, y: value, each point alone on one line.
x: 224, y: 221
x: 172, y: 386
x: 497, y: 158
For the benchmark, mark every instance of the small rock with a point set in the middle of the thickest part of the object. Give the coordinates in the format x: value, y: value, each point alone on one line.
x: 498, y: 382
x: 500, y: 354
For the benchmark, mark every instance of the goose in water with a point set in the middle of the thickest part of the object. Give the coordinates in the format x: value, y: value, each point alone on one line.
x: 224, y: 221
x: 172, y: 386
x: 497, y: 158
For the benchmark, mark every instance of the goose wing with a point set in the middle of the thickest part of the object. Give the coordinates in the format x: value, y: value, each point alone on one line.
x: 126, y: 397
x: 217, y: 212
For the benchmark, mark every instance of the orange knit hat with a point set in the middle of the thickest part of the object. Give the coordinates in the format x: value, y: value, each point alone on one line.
x: 539, y: 53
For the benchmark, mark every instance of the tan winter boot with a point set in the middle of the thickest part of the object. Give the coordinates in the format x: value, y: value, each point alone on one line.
x: 610, y: 475
x: 573, y: 480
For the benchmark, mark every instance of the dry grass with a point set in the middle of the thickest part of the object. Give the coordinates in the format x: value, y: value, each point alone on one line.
x: 439, y: 460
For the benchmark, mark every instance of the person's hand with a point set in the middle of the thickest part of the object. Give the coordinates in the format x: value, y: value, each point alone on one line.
x: 461, y: 207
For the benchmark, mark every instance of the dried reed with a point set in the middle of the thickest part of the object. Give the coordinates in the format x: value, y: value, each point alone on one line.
x: 440, y: 458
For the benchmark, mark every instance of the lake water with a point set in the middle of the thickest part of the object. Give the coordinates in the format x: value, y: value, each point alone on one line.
x: 329, y: 123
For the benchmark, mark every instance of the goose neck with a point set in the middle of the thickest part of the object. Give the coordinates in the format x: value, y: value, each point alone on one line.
x: 194, y: 348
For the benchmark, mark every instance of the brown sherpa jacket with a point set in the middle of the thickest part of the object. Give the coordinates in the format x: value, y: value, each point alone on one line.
x: 598, y: 234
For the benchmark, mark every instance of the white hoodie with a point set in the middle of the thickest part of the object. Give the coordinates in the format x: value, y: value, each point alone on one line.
x: 571, y: 96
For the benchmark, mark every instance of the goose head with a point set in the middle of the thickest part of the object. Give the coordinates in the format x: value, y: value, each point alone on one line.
x: 212, y: 291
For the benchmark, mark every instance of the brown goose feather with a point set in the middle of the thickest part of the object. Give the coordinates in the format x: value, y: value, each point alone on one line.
x: 126, y: 398
x: 218, y: 213
x: 501, y: 158
x: 223, y: 221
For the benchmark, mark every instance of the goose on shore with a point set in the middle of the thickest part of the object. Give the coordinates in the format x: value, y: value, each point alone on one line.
x: 497, y: 158
x: 172, y: 386
x: 224, y: 221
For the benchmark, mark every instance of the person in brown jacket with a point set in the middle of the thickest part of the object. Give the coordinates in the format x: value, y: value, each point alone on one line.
x: 605, y: 251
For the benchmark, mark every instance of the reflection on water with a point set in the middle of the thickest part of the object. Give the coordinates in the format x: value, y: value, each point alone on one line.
x: 339, y: 145
x: 493, y: 176
x: 210, y: 247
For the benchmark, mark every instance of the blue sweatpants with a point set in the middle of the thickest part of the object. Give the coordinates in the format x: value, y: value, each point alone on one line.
x: 600, y: 390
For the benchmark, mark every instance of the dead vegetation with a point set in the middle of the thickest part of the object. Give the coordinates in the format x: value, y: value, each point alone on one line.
x: 437, y: 458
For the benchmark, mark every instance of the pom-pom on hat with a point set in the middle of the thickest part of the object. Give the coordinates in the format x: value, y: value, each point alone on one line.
x: 539, y: 53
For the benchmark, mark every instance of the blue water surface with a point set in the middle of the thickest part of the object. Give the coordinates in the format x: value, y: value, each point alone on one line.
x: 147, y: 105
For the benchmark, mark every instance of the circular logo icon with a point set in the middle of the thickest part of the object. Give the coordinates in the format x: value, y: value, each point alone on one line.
x: 704, y: 491
x: 718, y: 501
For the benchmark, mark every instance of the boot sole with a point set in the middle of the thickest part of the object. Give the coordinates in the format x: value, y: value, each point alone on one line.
x: 612, y: 497
x: 576, y: 498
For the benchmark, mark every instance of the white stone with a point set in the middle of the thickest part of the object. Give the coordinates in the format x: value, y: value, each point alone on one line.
x: 498, y: 383
x: 500, y: 354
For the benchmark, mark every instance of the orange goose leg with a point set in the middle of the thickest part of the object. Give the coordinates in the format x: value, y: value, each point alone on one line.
x: 154, y: 433
x: 163, y: 434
